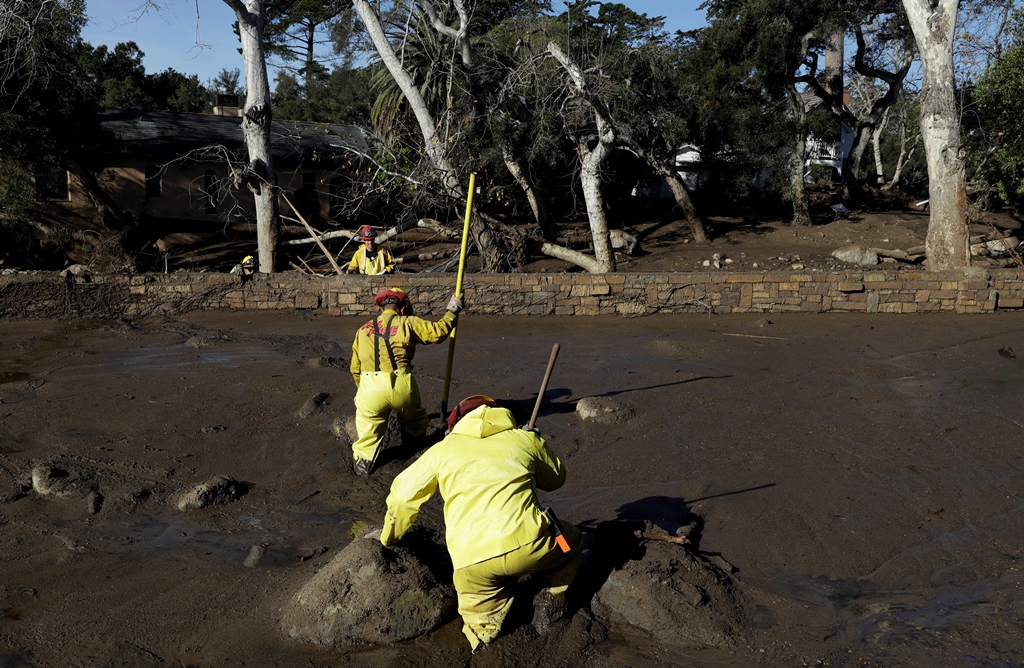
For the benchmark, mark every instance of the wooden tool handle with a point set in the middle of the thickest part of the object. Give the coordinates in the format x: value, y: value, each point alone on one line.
x: 544, y: 385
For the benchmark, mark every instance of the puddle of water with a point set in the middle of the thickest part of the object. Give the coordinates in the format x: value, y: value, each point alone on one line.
x: 14, y: 377
x: 177, y: 534
x: 149, y: 359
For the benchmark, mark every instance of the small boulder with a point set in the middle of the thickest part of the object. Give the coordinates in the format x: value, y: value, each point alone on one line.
x: 93, y: 502
x: 314, y: 404
x: 856, y: 255
x: 216, y: 490
x: 52, y: 481
x: 369, y: 593
x: 344, y: 429
x: 676, y: 597
x: 603, y: 410
x: 322, y: 362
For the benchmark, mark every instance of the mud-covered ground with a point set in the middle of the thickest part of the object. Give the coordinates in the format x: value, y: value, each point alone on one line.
x: 861, y: 474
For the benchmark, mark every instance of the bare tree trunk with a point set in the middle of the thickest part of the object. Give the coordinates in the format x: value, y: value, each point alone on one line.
x: 256, y: 120
x: 590, y: 171
x: 903, y: 157
x: 876, y: 145
x: 679, y: 191
x: 540, y: 209
x: 577, y: 258
x: 801, y: 211
x: 590, y: 179
x: 934, y: 25
x: 434, y: 145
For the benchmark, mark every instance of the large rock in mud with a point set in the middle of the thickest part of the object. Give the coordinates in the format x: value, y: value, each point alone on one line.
x: 856, y: 255
x: 216, y: 490
x: 674, y: 596
x: 603, y: 410
x: 56, y: 482
x: 369, y: 593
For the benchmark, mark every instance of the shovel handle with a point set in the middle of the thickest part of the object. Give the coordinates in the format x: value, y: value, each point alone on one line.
x: 544, y: 385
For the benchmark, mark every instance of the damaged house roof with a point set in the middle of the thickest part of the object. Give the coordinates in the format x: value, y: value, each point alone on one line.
x: 163, y: 136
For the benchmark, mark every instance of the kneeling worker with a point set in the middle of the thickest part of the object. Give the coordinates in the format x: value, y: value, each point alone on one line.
x: 382, y: 369
x: 368, y: 258
x: 488, y: 472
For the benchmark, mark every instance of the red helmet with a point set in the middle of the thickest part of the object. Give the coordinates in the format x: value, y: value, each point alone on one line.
x: 365, y: 233
x: 466, y: 405
x: 391, y: 296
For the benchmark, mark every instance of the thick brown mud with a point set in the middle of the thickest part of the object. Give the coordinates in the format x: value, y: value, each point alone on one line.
x: 858, y: 479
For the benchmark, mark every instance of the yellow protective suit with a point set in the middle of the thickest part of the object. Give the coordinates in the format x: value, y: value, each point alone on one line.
x: 488, y: 473
x: 381, y: 263
x: 382, y: 354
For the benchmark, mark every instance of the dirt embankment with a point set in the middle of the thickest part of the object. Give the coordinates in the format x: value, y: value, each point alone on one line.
x: 852, y: 485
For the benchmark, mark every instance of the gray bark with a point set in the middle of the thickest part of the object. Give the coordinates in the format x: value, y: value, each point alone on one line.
x: 801, y: 211
x: 592, y: 159
x: 934, y: 26
x: 678, y: 188
x: 537, y: 205
x: 256, y: 120
x: 434, y: 145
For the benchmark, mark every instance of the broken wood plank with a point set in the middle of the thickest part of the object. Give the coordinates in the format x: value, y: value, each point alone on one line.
x: 667, y: 537
x: 312, y: 233
x: 755, y: 336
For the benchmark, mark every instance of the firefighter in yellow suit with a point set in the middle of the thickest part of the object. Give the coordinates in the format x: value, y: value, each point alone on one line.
x: 488, y: 473
x: 369, y: 259
x: 381, y: 366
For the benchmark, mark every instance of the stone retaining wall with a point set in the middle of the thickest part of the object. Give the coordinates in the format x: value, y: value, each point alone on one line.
x: 973, y: 290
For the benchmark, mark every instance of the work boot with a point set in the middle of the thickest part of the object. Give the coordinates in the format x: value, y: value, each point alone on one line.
x: 548, y: 608
x: 362, y: 467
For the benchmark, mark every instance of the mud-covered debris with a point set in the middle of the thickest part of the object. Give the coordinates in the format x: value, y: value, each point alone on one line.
x: 856, y: 255
x: 213, y: 429
x: 93, y: 502
x: 14, y: 393
x: 676, y: 597
x: 52, y: 481
x: 368, y: 593
x: 216, y: 490
x: 197, y: 342
x: 344, y: 429
x: 314, y: 404
x: 307, y: 553
x: 255, y: 556
x: 323, y: 362
x: 603, y: 410
x: 76, y: 270
x: 10, y: 489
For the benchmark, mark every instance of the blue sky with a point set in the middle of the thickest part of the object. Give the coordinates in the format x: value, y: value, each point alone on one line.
x: 175, y: 37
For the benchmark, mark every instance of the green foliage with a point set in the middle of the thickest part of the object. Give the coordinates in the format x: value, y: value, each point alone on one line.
x: 343, y: 97
x: 46, y: 114
x: 998, y: 136
x: 227, y: 82
x: 118, y: 79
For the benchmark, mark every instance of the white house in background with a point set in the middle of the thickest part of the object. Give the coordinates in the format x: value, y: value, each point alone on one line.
x: 695, y: 175
x: 689, y: 166
x: 824, y: 152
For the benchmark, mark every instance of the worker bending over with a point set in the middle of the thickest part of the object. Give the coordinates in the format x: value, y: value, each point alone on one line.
x: 382, y: 369
x: 488, y: 472
x: 368, y: 258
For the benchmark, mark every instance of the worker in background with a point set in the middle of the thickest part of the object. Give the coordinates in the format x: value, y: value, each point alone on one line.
x: 246, y: 267
x: 382, y: 369
x: 488, y: 473
x: 368, y: 258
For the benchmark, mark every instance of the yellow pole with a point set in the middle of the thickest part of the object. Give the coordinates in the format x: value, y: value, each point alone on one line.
x: 458, y: 291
